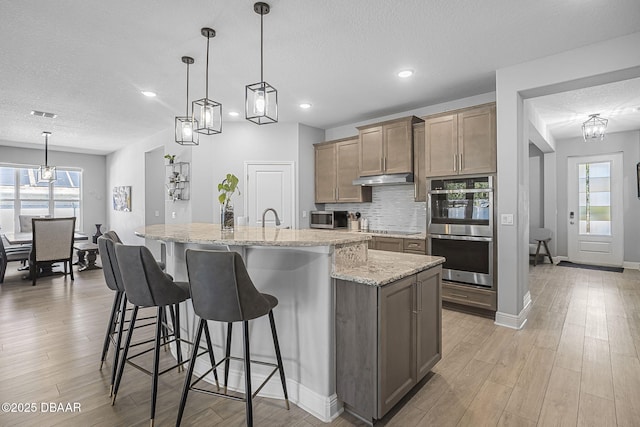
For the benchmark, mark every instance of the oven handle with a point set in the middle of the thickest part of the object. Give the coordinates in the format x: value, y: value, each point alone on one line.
x: 454, y: 237
x: 470, y: 190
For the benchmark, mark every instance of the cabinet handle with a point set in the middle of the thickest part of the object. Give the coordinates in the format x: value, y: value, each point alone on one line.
x: 419, y: 286
x: 337, y: 193
x: 384, y: 163
x: 461, y: 162
x: 459, y: 295
x: 414, y: 307
x: 455, y: 162
x: 415, y: 190
x: 413, y: 245
x: 334, y: 193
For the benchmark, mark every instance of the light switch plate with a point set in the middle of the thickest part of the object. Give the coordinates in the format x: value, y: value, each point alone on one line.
x: 506, y: 219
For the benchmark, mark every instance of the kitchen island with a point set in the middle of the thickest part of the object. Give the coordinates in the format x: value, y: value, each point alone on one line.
x: 300, y: 268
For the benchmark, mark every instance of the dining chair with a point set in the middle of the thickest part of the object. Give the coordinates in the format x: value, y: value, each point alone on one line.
x: 26, y: 224
x: 11, y: 253
x: 52, y: 242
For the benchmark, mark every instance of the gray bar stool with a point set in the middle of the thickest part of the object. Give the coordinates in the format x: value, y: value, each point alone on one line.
x: 117, y: 319
x: 221, y: 290
x: 146, y: 285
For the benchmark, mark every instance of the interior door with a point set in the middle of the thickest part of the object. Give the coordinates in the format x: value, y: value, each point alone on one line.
x: 594, y: 218
x: 270, y: 185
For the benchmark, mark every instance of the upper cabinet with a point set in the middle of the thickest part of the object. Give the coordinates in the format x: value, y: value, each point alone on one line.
x: 387, y: 148
x: 461, y: 142
x: 336, y: 166
x: 419, y: 162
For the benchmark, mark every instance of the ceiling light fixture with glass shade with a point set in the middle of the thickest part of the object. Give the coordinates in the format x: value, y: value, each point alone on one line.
x: 186, y: 124
x: 594, y: 127
x: 261, y: 99
x: 47, y: 173
x: 208, y: 112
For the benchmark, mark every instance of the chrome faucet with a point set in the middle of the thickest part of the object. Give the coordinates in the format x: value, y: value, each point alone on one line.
x: 274, y: 212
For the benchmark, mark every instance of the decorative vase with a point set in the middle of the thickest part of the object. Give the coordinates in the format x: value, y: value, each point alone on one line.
x: 226, y: 216
x: 98, y: 233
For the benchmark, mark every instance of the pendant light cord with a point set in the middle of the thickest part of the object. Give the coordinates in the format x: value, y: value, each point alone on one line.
x: 261, y: 48
x: 46, y: 150
x: 206, y: 90
x: 187, y: 114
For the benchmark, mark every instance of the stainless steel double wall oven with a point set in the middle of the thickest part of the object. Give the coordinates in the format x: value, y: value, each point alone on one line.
x: 460, y: 228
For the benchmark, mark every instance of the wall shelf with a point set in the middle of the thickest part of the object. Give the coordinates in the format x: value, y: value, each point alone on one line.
x: 177, y: 177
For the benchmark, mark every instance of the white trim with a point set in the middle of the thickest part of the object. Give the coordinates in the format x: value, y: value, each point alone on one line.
x: 631, y: 265
x: 325, y: 408
x: 512, y: 321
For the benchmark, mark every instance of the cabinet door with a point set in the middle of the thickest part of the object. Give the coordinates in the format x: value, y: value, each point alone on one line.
x: 347, y: 171
x: 419, y: 159
x: 397, y: 346
x: 398, y: 147
x: 429, y: 327
x: 477, y: 140
x: 325, y: 173
x: 371, y: 151
x: 441, y: 139
x: 391, y: 244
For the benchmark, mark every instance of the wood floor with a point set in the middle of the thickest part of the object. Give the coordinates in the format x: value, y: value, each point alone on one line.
x: 575, y: 362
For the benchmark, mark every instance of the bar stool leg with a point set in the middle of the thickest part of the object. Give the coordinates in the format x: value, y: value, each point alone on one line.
x: 111, y: 327
x: 227, y: 355
x: 175, y: 317
x: 125, y: 351
x: 116, y: 353
x: 279, y: 357
x: 546, y: 248
x: 535, y: 260
x: 212, y: 357
x: 247, y: 374
x: 156, y: 363
x: 187, y: 379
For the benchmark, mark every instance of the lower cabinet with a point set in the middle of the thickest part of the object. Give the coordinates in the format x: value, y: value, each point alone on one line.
x: 397, y: 244
x: 387, y: 339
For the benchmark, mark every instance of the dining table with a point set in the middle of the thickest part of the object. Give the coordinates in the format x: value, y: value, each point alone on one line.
x: 26, y: 238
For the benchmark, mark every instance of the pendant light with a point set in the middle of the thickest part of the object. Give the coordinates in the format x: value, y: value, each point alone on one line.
x: 186, y: 125
x: 594, y: 127
x: 208, y: 112
x: 46, y: 173
x: 261, y: 99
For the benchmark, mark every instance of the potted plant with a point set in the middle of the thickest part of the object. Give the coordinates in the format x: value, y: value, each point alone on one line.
x: 170, y: 157
x: 227, y: 188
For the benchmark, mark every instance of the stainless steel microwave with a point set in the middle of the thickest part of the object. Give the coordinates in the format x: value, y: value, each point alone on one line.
x: 329, y: 219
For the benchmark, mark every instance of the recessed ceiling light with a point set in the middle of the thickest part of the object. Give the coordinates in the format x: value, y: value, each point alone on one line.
x: 405, y: 73
x: 148, y: 93
x: 43, y: 114
x: 234, y: 113
x: 305, y: 105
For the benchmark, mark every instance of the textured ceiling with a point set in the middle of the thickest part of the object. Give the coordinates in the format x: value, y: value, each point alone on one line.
x: 88, y: 60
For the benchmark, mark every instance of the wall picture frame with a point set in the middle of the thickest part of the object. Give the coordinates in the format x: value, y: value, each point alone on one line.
x: 122, y: 198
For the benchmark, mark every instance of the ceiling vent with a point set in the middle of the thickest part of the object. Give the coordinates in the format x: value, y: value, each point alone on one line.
x: 43, y: 114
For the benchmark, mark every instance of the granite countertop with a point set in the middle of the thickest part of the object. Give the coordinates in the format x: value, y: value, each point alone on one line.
x: 204, y: 233
x: 385, y: 267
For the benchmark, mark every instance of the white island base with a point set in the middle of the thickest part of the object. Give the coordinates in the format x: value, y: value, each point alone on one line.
x: 300, y: 277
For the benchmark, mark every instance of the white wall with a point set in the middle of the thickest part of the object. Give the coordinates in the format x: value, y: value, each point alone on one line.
x: 629, y: 144
x: 126, y: 167
x: 94, y: 196
x: 618, y: 59
x: 306, y: 171
x: 536, y: 187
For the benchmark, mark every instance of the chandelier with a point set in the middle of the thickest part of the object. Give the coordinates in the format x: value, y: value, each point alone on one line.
x: 594, y: 127
x: 46, y: 173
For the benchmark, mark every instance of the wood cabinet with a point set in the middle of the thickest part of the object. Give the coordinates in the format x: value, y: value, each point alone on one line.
x: 419, y: 163
x: 387, y: 148
x: 387, y: 339
x: 485, y: 299
x: 336, y: 166
x: 461, y: 142
x: 398, y: 244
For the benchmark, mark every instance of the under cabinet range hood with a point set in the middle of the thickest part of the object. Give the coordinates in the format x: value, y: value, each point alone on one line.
x: 390, y: 179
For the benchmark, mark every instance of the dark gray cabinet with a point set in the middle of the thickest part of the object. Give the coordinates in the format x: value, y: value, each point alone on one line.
x: 387, y: 339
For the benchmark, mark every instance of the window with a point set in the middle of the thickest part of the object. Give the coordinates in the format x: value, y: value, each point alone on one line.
x: 595, y: 198
x: 22, y: 194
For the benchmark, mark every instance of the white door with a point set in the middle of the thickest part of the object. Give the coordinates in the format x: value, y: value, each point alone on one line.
x: 270, y: 185
x: 594, y: 217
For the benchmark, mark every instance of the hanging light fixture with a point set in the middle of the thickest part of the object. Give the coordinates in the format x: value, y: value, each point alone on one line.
x: 46, y: 173
x: 207, y: 111
x: 186, y: 125
x: 261, y: 99
x: 594, y: 127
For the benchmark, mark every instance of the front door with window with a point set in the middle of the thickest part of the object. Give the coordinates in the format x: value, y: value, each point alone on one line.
x: 594, y: 217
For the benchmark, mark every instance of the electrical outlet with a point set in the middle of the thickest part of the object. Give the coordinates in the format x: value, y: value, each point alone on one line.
x: 157, y: 213
x: 173, y: 215
x: 304, y: 214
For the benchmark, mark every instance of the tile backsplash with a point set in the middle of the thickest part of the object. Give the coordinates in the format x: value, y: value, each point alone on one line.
x: 392, y: 208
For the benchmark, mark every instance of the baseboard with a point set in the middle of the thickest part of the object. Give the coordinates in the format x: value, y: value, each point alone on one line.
x: 325, y: 408
x: 631, y: 265
x: 513, y: 321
